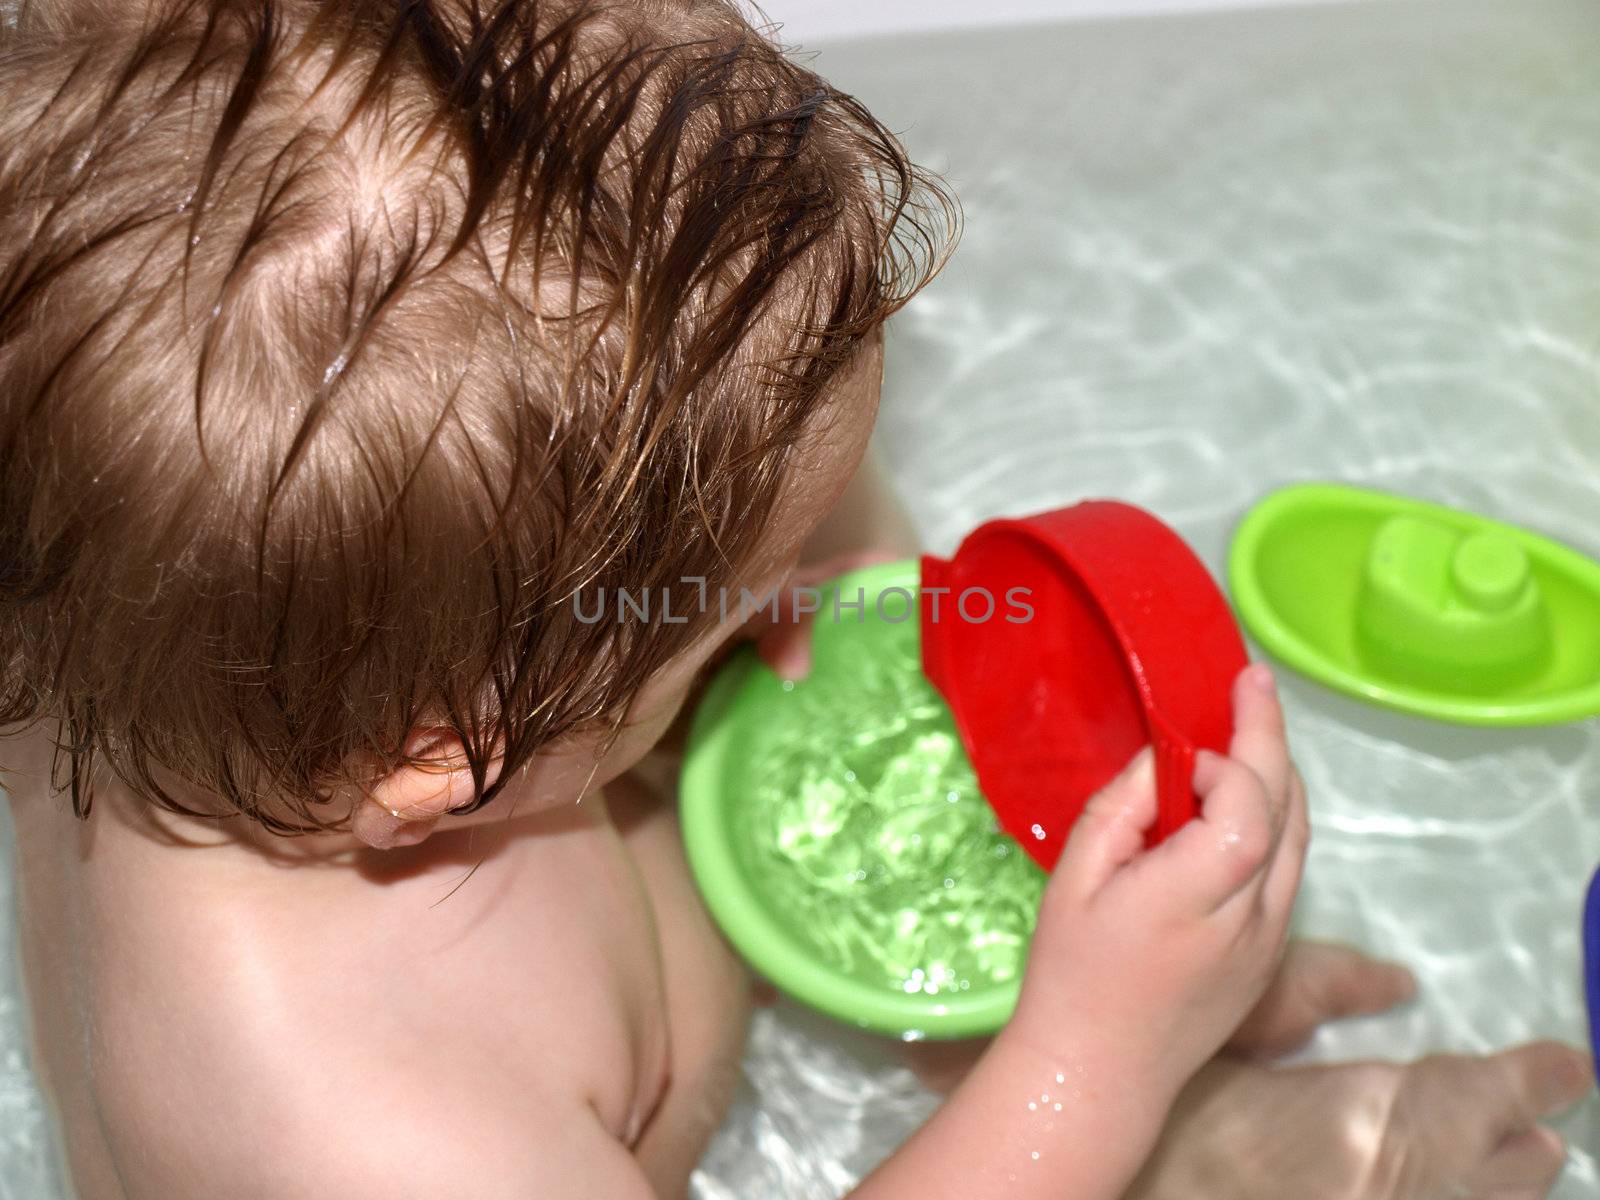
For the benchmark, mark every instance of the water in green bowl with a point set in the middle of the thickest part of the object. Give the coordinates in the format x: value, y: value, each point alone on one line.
x: 864, y: 815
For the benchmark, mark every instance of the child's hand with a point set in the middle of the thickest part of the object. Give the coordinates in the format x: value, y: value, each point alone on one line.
x: 783, y: 640
x: 1155, y: 957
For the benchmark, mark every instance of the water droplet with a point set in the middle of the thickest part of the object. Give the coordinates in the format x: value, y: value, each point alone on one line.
x: 1038, y: 831
x: 335, y: 369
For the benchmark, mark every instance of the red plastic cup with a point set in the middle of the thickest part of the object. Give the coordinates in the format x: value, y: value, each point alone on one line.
x: 1103, y: 632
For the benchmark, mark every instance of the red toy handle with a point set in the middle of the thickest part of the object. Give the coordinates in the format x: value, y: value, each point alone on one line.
x: 1175, y: 796
x: 935, y: 574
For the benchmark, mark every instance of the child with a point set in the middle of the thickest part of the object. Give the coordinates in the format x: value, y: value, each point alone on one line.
x: 342, y: 347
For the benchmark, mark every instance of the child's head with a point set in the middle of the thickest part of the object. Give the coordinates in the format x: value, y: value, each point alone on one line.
x: 344, y: 344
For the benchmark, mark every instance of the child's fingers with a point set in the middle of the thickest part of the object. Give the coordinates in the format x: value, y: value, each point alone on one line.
x: 1537, y: 1080
x: 1526, y: 1165
x: 786, y: 648
x: 1288, y: 863
x: 1227, y: 848
x: 783, y: 640
x: 1246, y: 807
x: 1111, y: 829
x: 1259, y: 740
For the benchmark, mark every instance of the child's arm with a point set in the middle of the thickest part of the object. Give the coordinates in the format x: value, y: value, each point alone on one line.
x: 1142, y: 964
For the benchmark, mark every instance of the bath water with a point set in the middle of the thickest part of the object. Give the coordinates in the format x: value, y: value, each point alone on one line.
x: 1205, y: 256
x: 870, y: 819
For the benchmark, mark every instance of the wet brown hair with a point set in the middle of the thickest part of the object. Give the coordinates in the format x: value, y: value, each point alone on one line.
x: 342, y: 343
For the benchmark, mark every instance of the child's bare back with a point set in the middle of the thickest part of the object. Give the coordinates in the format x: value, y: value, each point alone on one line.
x: 343, y: 346
x: 226, y: 1024
x: 229, y: 1026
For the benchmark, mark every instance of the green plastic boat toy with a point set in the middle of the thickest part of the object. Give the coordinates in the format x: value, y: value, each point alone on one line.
x: 1420, y: 607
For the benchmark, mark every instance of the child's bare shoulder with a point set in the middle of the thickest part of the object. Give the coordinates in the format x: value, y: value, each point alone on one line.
x: 229, y: 1027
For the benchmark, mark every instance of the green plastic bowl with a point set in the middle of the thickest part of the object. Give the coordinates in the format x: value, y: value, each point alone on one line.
x: 745, y: 703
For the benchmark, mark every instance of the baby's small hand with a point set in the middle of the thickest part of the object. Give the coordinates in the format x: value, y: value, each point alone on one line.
x: 1156, y: 956
x: 783, y: 640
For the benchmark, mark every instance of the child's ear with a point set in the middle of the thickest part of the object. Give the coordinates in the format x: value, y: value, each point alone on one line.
x: 403, y: 808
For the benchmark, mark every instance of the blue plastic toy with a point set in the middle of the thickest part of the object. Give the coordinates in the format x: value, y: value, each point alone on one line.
x: 1591, y: 963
